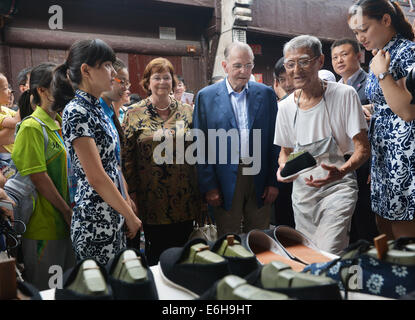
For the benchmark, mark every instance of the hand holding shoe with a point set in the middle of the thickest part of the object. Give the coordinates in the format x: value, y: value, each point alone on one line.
x: 281, y: 179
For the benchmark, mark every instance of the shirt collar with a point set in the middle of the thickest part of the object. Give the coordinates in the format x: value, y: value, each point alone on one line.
x: 107, y: 109
x: 392, y: 42
x: 230, y: 90
x: 88, y: 97
x: 353, y: 77
x: 46, y: 119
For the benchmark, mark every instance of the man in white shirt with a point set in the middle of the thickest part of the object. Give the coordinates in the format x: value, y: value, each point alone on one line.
x: 325, y: 119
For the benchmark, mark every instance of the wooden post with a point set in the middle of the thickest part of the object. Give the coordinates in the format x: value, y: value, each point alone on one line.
x: 8, y: 281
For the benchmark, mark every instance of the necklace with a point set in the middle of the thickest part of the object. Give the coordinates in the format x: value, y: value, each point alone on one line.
x: 163, y: 109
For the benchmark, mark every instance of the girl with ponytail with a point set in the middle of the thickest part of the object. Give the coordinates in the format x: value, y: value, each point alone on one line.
x: 46, y: 241
x: 381, y: 27
x: 102, y: 208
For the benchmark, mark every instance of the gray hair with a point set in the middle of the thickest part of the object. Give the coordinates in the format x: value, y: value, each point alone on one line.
x: 239, y: 46
x: 304, y: 41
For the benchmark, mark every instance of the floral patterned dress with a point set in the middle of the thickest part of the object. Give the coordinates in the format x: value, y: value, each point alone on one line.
x: 392, y: 142
x: 96, y: 229
x: 155, y: 168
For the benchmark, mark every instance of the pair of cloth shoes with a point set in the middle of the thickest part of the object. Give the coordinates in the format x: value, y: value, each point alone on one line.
x: 196, y: 266
x: 297, y: 245
x: 360, y: 269
x: 274, y: 281
x: 283, y: 244
x: 126, y: 277
x: 298, y: 163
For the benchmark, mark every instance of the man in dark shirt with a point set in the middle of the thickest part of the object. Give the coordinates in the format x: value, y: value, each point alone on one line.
x: 345, y: 58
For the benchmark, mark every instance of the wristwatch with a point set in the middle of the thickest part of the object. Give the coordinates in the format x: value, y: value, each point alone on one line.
x: 383, y: 75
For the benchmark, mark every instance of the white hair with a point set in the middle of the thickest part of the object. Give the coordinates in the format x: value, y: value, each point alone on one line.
x: 238, y: 46
x: 304, y: 41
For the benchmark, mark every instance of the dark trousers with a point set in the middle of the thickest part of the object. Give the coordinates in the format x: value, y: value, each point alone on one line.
x: 283, y: 213
x: 363, y: 220
x: 160, y: 237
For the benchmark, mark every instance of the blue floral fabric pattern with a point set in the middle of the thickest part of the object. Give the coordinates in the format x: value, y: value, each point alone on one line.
x: 369, y: 275
x: 96, y: 229
x: 392, y: 142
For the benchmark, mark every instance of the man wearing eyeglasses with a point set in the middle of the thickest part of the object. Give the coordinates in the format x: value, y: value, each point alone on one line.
x: 325, y: 119
x: 241, y: 200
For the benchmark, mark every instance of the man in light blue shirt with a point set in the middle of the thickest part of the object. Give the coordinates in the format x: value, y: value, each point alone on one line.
x: 238, y: 100
x: 241, y: 201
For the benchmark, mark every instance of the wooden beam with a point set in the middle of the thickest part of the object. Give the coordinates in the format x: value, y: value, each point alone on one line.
x: 48, y: 39
x: 195, y: 3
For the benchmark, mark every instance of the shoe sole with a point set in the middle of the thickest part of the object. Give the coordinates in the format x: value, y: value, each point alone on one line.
x: 175, y: 285
x: 306, y: 254
x: 266, y: 257
x: 298, y: 173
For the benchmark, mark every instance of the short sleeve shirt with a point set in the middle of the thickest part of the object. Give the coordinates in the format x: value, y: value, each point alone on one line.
x: 345, y: 113
x: 4, y: 113
x: 402, y: 53
x: 46, y: 222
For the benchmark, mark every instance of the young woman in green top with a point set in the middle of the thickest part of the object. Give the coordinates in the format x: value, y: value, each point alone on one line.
x: 46, y: 242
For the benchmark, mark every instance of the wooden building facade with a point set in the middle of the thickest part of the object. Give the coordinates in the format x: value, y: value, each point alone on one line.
x: 184, y: 31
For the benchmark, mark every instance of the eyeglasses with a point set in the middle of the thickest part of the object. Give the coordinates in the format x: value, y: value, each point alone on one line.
x: 158, y: 78
x: 125, y: 83
x: 302, y: 63
x: 238, y: 66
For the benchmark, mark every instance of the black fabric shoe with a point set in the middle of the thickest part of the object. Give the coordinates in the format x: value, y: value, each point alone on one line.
x: 241, y: 261
x: 192, y: 268
x: 298, y: 163
x: 26, y: 291
x: 88, y: 280
x: 130, y: 276
x: 279, y: 277
x: 233, y: 287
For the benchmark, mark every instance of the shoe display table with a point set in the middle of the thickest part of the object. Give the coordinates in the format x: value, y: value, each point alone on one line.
x: 168, y: 292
